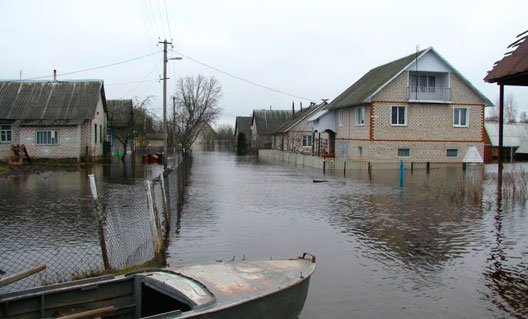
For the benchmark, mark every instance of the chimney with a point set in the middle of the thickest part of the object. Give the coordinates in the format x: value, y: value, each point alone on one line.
x: 301, y: 105
x: 54, y: 75
x: 293, y: 107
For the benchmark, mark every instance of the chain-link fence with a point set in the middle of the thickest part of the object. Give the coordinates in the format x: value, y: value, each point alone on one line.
x: 127, y: 227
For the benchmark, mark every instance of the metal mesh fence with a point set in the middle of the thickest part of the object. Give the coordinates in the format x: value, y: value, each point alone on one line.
x: 127, y: 229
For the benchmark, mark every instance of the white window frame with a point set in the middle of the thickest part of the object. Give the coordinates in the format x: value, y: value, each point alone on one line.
x: 341, y: 118
x: 404, y: 115
x: 457, y: 117
x: 360, y: 116
x: 52, y: 139
x: 307, y: 141
x: 6, y: 133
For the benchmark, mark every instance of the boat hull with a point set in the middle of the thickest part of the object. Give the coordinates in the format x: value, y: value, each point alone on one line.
x: 285, y: 304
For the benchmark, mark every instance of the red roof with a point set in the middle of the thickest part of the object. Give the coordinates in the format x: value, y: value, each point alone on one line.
x: 513, y: 68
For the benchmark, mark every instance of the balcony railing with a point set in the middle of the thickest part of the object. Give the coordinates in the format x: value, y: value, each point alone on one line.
x: 429, y: 94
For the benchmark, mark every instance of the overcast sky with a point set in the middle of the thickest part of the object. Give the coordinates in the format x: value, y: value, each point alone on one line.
x: 307, y: 49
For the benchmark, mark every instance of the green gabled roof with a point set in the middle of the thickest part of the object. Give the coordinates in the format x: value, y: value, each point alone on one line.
x: 371, y: 82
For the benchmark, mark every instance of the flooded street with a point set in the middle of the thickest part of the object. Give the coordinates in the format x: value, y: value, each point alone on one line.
x: 432, y: 249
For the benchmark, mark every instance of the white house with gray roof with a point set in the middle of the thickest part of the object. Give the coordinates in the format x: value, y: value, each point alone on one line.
x: 53, y: 119
x: 417, y: 109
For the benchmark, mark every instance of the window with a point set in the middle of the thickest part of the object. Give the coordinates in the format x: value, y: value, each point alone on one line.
x: 307, y: 140
x: 360, y: 150
x: 398, y: 115
x: 95, y: 133
x: 341, y: 118
x: 100, y: 134
x: 47, y: 137
x: 360, y: 116
x: 404, y: 152
x: 452, y: 152
x: 5, y: 133
x: 460, y: 117
x: 423, y: 83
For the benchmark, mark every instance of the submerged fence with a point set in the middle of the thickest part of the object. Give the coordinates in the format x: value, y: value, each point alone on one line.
x: 127, y: 226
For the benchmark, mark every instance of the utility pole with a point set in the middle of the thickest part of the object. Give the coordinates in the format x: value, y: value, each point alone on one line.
x: 174, y: 124
x: 165, y: 60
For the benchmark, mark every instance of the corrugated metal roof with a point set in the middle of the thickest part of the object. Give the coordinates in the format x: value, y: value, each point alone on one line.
x: 268, y: 121
x: 513, y: 134
x: 49, y: 100
x: 513, y: 68
x: 119, y: 113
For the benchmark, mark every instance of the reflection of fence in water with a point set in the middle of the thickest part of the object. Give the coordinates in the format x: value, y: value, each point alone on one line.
x: 135, y: 224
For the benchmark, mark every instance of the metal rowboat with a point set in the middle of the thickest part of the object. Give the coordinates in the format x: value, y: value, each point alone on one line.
x: 233, y: 289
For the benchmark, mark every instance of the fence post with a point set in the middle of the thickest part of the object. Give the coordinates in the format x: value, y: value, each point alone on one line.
x: 165, y: 202
x: 100, y: 222
x: 401, y: 173
x: 152, y: 216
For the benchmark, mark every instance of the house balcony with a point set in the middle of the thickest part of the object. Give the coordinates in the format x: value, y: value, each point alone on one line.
x: 427, y: 94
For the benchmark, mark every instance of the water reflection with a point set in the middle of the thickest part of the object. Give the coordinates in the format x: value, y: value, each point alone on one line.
x: 507, y: 272
x: 410, y: 252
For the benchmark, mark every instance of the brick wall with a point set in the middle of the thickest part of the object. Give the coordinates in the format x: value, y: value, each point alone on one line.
x: 68, y: 146
x: 5, y: 148
x: 429, y: 130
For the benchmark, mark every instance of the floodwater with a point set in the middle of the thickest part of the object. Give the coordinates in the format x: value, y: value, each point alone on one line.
x: 49, y: 217
x: 442, y: 246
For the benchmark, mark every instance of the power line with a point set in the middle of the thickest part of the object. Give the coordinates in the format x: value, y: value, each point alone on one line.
x: 142, y: 81
x: 91, y: 69
x: 244, y: 80
x: 134, y: 82
x: 167, y: 17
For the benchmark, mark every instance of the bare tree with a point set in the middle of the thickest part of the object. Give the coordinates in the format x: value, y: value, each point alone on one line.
x: 121, y: 121
x: 509, y: 114
x: 510, y: 109
x: 225, y: 133
x: 523, y: 117
x: 196, y: 105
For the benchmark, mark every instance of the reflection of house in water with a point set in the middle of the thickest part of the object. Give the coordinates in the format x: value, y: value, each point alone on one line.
x: 422, y: 228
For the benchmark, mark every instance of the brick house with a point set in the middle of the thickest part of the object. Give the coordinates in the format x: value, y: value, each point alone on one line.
x: 417, y: 109
x: 296, y: 135
x: 53, y: 119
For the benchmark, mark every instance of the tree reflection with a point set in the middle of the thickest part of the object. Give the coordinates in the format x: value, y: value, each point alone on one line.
x: 507, y: 276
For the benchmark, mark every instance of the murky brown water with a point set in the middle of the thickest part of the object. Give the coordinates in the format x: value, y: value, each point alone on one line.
x: 432, y: 249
